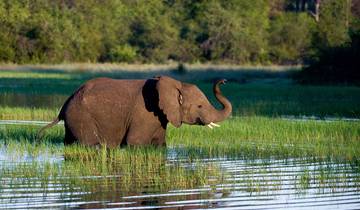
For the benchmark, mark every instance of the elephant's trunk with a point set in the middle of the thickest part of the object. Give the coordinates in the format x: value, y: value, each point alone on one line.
x: 220, y: 115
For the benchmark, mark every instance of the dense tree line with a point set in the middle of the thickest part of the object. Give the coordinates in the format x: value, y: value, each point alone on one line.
x: 233, y: 31
x: 338, y: 65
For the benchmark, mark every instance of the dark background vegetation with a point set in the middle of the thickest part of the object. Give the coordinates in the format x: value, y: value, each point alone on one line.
x: 158, y: 31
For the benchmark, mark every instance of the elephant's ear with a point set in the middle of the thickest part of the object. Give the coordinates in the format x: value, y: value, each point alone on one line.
x: 170, y: 99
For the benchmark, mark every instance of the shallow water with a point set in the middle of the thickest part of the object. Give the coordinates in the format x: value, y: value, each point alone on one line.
x: 302, y: 183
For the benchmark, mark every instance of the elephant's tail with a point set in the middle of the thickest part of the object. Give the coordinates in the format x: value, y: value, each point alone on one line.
x: 39, y: 135
x: 60, y: 117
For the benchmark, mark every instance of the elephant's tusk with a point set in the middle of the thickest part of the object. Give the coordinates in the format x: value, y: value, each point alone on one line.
x: 214, y: 124
x: 209, y: 125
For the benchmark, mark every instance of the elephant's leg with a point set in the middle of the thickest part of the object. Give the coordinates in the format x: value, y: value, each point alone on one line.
x: 158, y: 138
x: 69, y: 137
x: 145, y: 128
x: 135, y: 137
x: 84, y: 129
x: 89, y: 135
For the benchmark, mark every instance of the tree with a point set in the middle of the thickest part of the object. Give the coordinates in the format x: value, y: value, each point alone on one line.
x: 233, y: 31
x: 333, y: 27
x: 291, y: 37
x: 152, y: 31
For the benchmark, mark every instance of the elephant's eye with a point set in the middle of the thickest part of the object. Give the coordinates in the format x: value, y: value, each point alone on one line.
x: 199, y: 106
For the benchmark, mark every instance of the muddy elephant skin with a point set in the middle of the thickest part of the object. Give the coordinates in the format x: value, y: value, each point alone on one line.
x: 115, y: 112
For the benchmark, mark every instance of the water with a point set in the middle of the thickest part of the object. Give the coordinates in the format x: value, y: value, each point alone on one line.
x: 293, y: 183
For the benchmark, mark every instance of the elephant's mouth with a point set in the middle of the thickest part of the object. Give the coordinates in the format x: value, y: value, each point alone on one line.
x: 198, y: 121
x: 209, y: 124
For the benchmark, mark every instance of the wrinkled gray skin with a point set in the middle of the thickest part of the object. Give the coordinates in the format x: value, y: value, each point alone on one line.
x: 135, y: 112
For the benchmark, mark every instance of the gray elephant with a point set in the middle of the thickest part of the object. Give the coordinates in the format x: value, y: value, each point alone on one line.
x: 135, y: 112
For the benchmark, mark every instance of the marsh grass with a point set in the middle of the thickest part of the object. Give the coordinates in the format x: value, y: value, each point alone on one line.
x: 239, y: 137
x: 263, y: 137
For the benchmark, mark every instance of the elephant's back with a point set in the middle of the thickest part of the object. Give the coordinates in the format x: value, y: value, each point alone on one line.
x: 105, y: 102
x: 107, y: 88
x: 106, y: 93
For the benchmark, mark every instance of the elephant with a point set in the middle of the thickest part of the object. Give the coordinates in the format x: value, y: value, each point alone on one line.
x: 116, y: 112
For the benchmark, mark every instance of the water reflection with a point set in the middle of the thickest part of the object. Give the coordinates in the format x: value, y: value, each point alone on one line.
x: 242, y: 184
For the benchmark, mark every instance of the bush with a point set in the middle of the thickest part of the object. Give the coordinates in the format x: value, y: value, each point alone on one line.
x: 336, y: 65
x: 122, y: 53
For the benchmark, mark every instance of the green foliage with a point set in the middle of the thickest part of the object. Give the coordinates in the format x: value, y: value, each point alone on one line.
x: 123, y: 53
x: 151, y: 30
x: 234, y: 31
x: 7, y: 52
x: 290, y: 37
x: 333, y: 26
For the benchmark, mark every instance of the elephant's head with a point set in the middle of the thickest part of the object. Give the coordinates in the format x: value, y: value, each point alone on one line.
x: 186, y: 103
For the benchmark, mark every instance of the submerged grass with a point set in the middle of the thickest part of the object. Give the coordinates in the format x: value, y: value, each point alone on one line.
x: 92, y: 170
x: 133, y: 171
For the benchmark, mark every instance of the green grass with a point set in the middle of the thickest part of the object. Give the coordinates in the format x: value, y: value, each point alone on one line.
x: 250, y: 137
x: 20, y: 113
x: 265, y: 137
